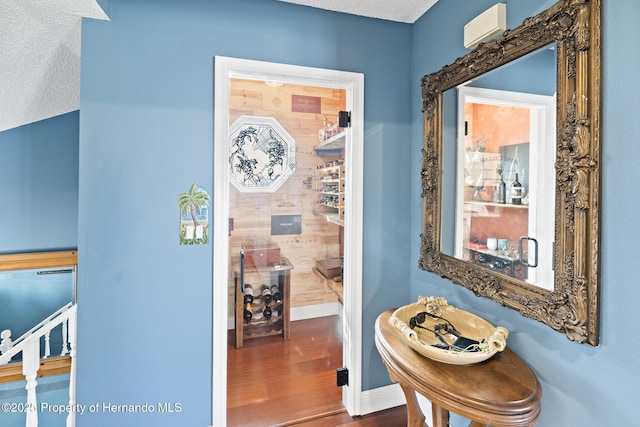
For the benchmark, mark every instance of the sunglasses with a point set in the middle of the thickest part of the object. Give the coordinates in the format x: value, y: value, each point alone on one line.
x: 415, y: 322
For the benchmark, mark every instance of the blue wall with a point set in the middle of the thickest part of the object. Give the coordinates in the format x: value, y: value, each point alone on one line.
x: 39, y: 185
x: 582, y: 385
x: 146, y: 134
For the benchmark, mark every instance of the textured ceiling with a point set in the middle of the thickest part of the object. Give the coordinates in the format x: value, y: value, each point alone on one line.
x: 40, y: 45
x: 393, y: 10
x: 40, y: 65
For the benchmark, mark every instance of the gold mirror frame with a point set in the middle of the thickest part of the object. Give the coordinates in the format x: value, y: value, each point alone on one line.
x: 572, y: 307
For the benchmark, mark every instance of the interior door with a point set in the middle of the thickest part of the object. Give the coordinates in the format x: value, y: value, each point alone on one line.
x: 266, y: 194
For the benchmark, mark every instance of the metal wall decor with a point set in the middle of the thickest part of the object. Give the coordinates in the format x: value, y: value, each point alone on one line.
x: 572, y: 306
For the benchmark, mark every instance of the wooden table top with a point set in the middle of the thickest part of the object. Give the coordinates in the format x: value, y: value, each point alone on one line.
x: 501, y: 391
x: 284, y: 265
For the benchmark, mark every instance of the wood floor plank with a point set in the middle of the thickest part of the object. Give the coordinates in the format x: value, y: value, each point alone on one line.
x: 394, y: 417
x: 273, y: 382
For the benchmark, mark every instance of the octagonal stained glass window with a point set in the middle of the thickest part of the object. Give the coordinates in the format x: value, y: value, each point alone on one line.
x: 261, y: 154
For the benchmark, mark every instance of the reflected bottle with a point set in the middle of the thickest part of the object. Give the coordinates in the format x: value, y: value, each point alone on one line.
x: 266, y: 294
x: 248, y: 294
x: 248, y: 315
x: 267, y: 312
x: 275, y: 293
x: 279, y: 308
x: 516, y: 191
x: 500, y: 192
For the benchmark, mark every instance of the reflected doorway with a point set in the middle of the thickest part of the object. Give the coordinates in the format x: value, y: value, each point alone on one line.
x: 505, y: 193
x: 288, y: 180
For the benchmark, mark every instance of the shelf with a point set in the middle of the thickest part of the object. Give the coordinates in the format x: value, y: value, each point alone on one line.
x: 331, y: 168
x: 336, y: 142
x: 335, y: 219
x: 335, y: 286
x: 495, y: 254
x: 263, y: 328
x: 331, y: 177
x: 499, y: 205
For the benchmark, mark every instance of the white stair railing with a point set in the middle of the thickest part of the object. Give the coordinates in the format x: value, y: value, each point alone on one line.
x: 29, y: 345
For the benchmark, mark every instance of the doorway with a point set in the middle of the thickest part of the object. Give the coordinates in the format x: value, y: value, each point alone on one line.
x: 264, y: 184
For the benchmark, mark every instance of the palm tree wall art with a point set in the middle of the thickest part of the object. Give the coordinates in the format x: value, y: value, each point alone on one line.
x: 194, y: 216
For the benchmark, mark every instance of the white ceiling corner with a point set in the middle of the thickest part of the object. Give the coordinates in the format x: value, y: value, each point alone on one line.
x: 40, y: 70
x: 40, y: 45
x: 408, y: 11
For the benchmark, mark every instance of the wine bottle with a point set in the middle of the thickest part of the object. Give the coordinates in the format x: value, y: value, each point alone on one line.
x: 266, y: 294
x: 516, y: 191
x: 248, y: 294
x: 501, y: 189
x: 275, y: 293
x: 279, y: 308
x: 267, y: 312
x: 248, y: 315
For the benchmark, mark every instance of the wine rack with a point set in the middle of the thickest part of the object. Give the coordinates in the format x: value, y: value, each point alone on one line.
x: 259, y: 326
x: 331, y: 180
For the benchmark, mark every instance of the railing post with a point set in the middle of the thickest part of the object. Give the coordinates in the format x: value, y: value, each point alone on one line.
x: 30, y: 366
x: 73, y: 319
x: 5, y: 341
x: 47, y: 344
x: 65, y: 348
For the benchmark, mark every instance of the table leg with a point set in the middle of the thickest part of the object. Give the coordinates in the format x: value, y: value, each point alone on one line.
x: 415, y: 417
x: 440, y: 416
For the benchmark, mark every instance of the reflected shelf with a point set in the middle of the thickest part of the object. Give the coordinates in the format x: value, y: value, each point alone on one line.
x: 336, y: 142
x: 333, y: 218
x: 501, y: 205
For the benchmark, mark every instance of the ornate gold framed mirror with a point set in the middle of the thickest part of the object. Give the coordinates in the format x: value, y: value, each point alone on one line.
x: 511, y: 169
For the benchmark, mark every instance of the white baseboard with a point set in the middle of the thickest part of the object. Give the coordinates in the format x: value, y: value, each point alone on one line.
x: 317, y: 310
x: 381, y: 398
x: 390, y: 396
x: 306, y: 312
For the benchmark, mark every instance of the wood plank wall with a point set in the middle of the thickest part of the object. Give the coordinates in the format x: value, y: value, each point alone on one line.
x: 251, y: 212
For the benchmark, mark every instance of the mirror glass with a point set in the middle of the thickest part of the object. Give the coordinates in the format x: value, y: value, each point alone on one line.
x: 511, y: 169
x: 498, y: 156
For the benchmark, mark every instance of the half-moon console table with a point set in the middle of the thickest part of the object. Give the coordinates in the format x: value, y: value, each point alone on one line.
x: 499, y: 392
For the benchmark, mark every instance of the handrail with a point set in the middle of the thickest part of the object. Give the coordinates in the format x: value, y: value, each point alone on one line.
x: 41, y: 328
x: 29, y: 345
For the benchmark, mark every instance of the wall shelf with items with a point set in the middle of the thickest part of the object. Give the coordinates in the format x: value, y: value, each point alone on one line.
x: 330, y: 181
x: 259, y: 325
x: 335, y: 142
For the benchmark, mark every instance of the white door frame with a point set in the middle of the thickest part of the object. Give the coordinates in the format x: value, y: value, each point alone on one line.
x: 353, y: 83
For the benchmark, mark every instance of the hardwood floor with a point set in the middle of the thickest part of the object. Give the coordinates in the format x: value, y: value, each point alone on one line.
x: 272, y: 382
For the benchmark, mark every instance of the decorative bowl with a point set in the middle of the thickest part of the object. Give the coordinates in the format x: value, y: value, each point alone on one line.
x: 448, y: 334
